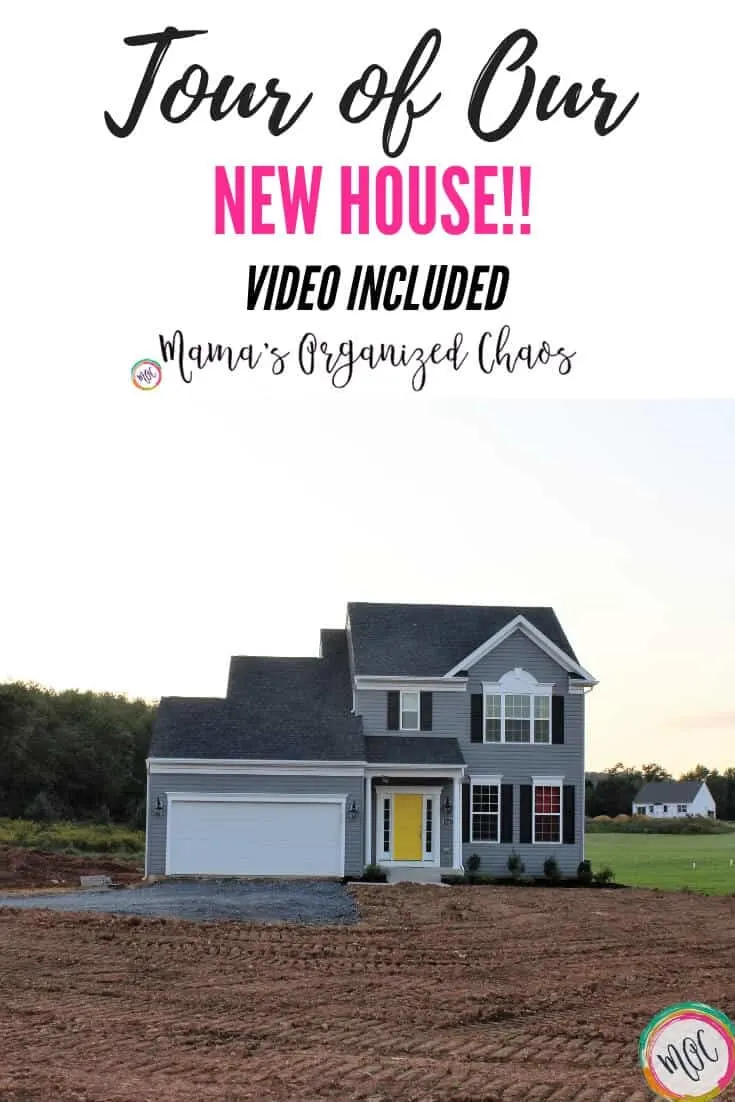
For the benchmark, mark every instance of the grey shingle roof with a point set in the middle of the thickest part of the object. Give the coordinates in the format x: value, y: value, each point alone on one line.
x: 412, y: 750
x: 276, y: 708
x: 668, y: 792
x: 429, y: 640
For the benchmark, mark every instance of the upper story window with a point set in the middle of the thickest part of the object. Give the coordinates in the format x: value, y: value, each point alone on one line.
x: 517, y: 709
x: 409, y: 710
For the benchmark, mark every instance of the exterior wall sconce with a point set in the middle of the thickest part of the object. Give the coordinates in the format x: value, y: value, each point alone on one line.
x: 160, y: 805
x: 447, y: 806
x: 352, y: 809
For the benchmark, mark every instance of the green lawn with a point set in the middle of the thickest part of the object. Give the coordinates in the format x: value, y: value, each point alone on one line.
x: 665, y: 860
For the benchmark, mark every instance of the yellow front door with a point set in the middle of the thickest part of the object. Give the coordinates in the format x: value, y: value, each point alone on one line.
x: 408, y: 814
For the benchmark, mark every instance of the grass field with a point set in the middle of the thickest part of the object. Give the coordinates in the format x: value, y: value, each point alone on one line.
x: 665, y: 861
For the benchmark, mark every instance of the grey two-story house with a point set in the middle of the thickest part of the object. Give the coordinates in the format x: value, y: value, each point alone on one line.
x: 420, y: 735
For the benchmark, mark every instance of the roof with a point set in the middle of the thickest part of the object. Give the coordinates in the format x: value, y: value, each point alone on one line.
x: 276, y: 709
x: 668, y: 792
x: 429, y: 640
x: 412, y: 750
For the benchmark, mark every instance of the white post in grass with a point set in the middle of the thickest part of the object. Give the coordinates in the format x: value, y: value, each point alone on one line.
x: 694, y: 864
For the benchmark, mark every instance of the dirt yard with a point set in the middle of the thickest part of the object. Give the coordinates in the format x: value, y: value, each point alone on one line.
x: 515, y: 994
x: 34, y: 868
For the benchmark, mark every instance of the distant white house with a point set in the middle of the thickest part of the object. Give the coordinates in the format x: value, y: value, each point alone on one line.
x: 674, y: 799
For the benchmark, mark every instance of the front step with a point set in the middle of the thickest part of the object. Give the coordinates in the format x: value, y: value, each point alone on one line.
x: 413, y: 876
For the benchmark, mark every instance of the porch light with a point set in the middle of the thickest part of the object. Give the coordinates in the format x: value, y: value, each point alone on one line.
x: 353, y: 810
x: 447, y: 806
x: 160, y: 805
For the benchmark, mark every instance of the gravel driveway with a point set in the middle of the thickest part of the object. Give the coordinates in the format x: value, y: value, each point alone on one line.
x: 311, y: 902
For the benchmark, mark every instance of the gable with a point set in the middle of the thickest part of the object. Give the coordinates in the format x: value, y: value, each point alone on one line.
x: 517, y: 653
x: 520, y: 625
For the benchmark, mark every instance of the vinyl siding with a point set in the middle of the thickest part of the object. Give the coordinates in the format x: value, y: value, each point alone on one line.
x: 222, y: 784
x: 517, y: 764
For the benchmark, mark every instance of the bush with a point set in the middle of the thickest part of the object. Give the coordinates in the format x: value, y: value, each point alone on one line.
x: 374, y: 874
x: 552, y: 871
x: 584, y: 872
x: 604, y: 876
x: 515, y: 865
x: 473, y: 862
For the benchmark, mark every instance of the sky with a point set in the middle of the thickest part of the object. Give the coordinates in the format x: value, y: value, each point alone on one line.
x: 142, y: 550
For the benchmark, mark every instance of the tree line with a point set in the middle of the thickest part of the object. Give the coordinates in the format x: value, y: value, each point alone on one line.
x: 73, y: 755
x: 613, y: 792
x: 81, y: 755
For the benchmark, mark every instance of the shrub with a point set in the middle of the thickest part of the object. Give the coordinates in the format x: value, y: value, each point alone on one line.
x: 515, y: 865
x: 604, y: 876
x: 584, y: 872
x: 473, y: 862
x: 375, y: 874
x: 552, y: 871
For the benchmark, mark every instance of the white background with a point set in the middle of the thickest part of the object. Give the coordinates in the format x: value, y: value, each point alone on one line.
x: 108, y: 242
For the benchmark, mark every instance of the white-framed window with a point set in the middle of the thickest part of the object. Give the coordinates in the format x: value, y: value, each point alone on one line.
x: 410, y: 708
x: 485, y: 809
x: 517, y: 709
x: 681, y: 809
x: 386, y: 824
x: 548, y: 798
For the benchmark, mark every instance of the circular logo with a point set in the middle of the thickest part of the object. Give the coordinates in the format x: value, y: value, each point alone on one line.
x: 687, y: 1052
x: 146, y: 374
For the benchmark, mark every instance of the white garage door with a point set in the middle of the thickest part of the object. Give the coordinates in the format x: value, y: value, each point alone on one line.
x: 255, y: 837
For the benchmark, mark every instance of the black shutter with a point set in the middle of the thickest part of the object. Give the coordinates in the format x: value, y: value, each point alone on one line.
x: 524, y: 809
x: 426, y: 711
x: 568, y: 828
x: 476, y: 718
x: 506, y: 813
x: 465, y: 812
x: 557, y: 720
x: 394, y: 708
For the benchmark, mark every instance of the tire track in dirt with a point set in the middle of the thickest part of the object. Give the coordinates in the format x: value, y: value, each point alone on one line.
x: 422, y: 1000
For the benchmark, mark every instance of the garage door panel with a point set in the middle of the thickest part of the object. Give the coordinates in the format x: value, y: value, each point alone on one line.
x: 255, y: 838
